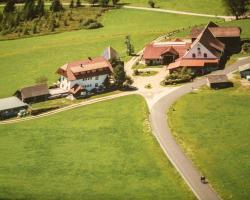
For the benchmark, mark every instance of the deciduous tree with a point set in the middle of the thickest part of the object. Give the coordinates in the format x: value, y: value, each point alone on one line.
x: 237, y: 7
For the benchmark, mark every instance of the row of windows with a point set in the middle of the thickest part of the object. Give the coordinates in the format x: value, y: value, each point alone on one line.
x: 90, y: 85
x: 90, y: 78
x: 194, y: 55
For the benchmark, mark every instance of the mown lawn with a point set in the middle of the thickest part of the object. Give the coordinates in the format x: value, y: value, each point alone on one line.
x: 215, y: 7
x: 101, y: 151
x: 23, y: 60
x: 213, y: 129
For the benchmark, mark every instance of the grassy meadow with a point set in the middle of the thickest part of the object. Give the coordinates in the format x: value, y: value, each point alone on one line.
x: 88, y: 153
x: 213, y: 129
x: 24, y: 60
x: 215, y: 7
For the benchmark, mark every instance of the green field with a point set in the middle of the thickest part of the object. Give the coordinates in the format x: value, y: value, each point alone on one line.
x: 213, y: 129
x: 215, y: 7
x: 23, y: 60
x: 88, y: 153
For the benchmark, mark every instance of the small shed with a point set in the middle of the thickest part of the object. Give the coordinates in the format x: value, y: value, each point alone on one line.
x: 77, y: 90
x: 32, y: 94
x: 218, y: 81
x: 244, y: 71
x: 9, y: 107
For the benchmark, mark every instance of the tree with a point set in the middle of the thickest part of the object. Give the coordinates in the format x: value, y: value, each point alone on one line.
x: 114, y: 2
x: 9, y: 7
x: 106, y: 83
x: 40, y: 8
x: 56, y: 6
x: 151, y: 3
x: 119, y: 74
x: 29, y: 10
x: 129, y: 81
x: 78, y: 3
x: 237, y: 7
x: 71, y: 5
x: 130, y: 47
x: 104, y: 3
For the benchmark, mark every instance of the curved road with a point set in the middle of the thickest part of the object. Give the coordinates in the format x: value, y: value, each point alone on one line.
x: 167, y: 142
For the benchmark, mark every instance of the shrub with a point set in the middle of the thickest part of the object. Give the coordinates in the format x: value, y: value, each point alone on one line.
x: 151, y: 3
x: 246, y: 47
x: 41, y: 79
x: 135, y: 72
x: 179, y: 76
x: 148, y: 86
x: 90, y: 24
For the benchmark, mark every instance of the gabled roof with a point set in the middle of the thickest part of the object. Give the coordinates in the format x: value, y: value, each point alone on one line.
x: 85, y: 68
x: 76, y: 89
x: 217, y: 31
x: 156, y: 51
x: 218, y: 78
x: 191, y: 63
x: 207, y: 39
x: 109, y: 53
x: 34, y: 91
x: 10, y: 103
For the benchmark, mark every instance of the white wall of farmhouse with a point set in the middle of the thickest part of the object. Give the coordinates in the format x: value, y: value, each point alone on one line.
x: 199, y: 51
x: 89, y: 82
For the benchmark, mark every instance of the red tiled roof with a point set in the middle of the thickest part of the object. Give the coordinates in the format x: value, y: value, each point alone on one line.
x: 85, y: 68
x: 76, y: 88
x: 153, y: 51
x: 191, y: 63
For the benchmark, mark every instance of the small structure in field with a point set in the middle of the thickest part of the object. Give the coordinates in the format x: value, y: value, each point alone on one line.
x: 77, y: 91
x: 32, y: 94
x: 245, y: 71
x: 10, y: 107
x: 218, y: 81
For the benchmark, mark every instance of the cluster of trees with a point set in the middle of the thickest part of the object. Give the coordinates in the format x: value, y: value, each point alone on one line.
x: 179, y: 76
x: 12, y: 16
x: 103, y: 3
x: 237, y: 7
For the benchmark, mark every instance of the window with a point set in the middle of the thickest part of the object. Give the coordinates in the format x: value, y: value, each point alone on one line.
x: 205, y: 55
x: 96, y: 85
x: 199, y: 51
x: 193, y: 55
x: 97, y: 77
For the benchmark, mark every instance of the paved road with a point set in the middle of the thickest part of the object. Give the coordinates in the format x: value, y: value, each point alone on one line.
x: 163, y: 134
x: 179, y: 12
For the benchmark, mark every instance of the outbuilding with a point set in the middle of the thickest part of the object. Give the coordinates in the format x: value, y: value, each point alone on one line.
x: 10, y: 107
x: 244, y: 71
x: 32, y: 94
x: 218, y: 81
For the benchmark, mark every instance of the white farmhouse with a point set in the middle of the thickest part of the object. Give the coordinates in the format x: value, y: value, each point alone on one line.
x: 89, y: 74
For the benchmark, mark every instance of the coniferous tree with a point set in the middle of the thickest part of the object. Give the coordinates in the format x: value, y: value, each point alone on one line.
x: 78, y: 3
x: 130, y: 47
x: 119, y: 73
x: 56, y: 6
x: 40, y: 8
x: 71, y: 5
x: 29, y: 10
x: 9, y: 7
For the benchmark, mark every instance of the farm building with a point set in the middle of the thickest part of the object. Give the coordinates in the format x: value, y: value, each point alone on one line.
x: 90, y: 74
x: 245, y: 71
x: 10, y: 107
x: 230, y: 36
x: 203, y: 56
x: 218, y: 81
x: 32, y: 94
x: 164, y: 53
